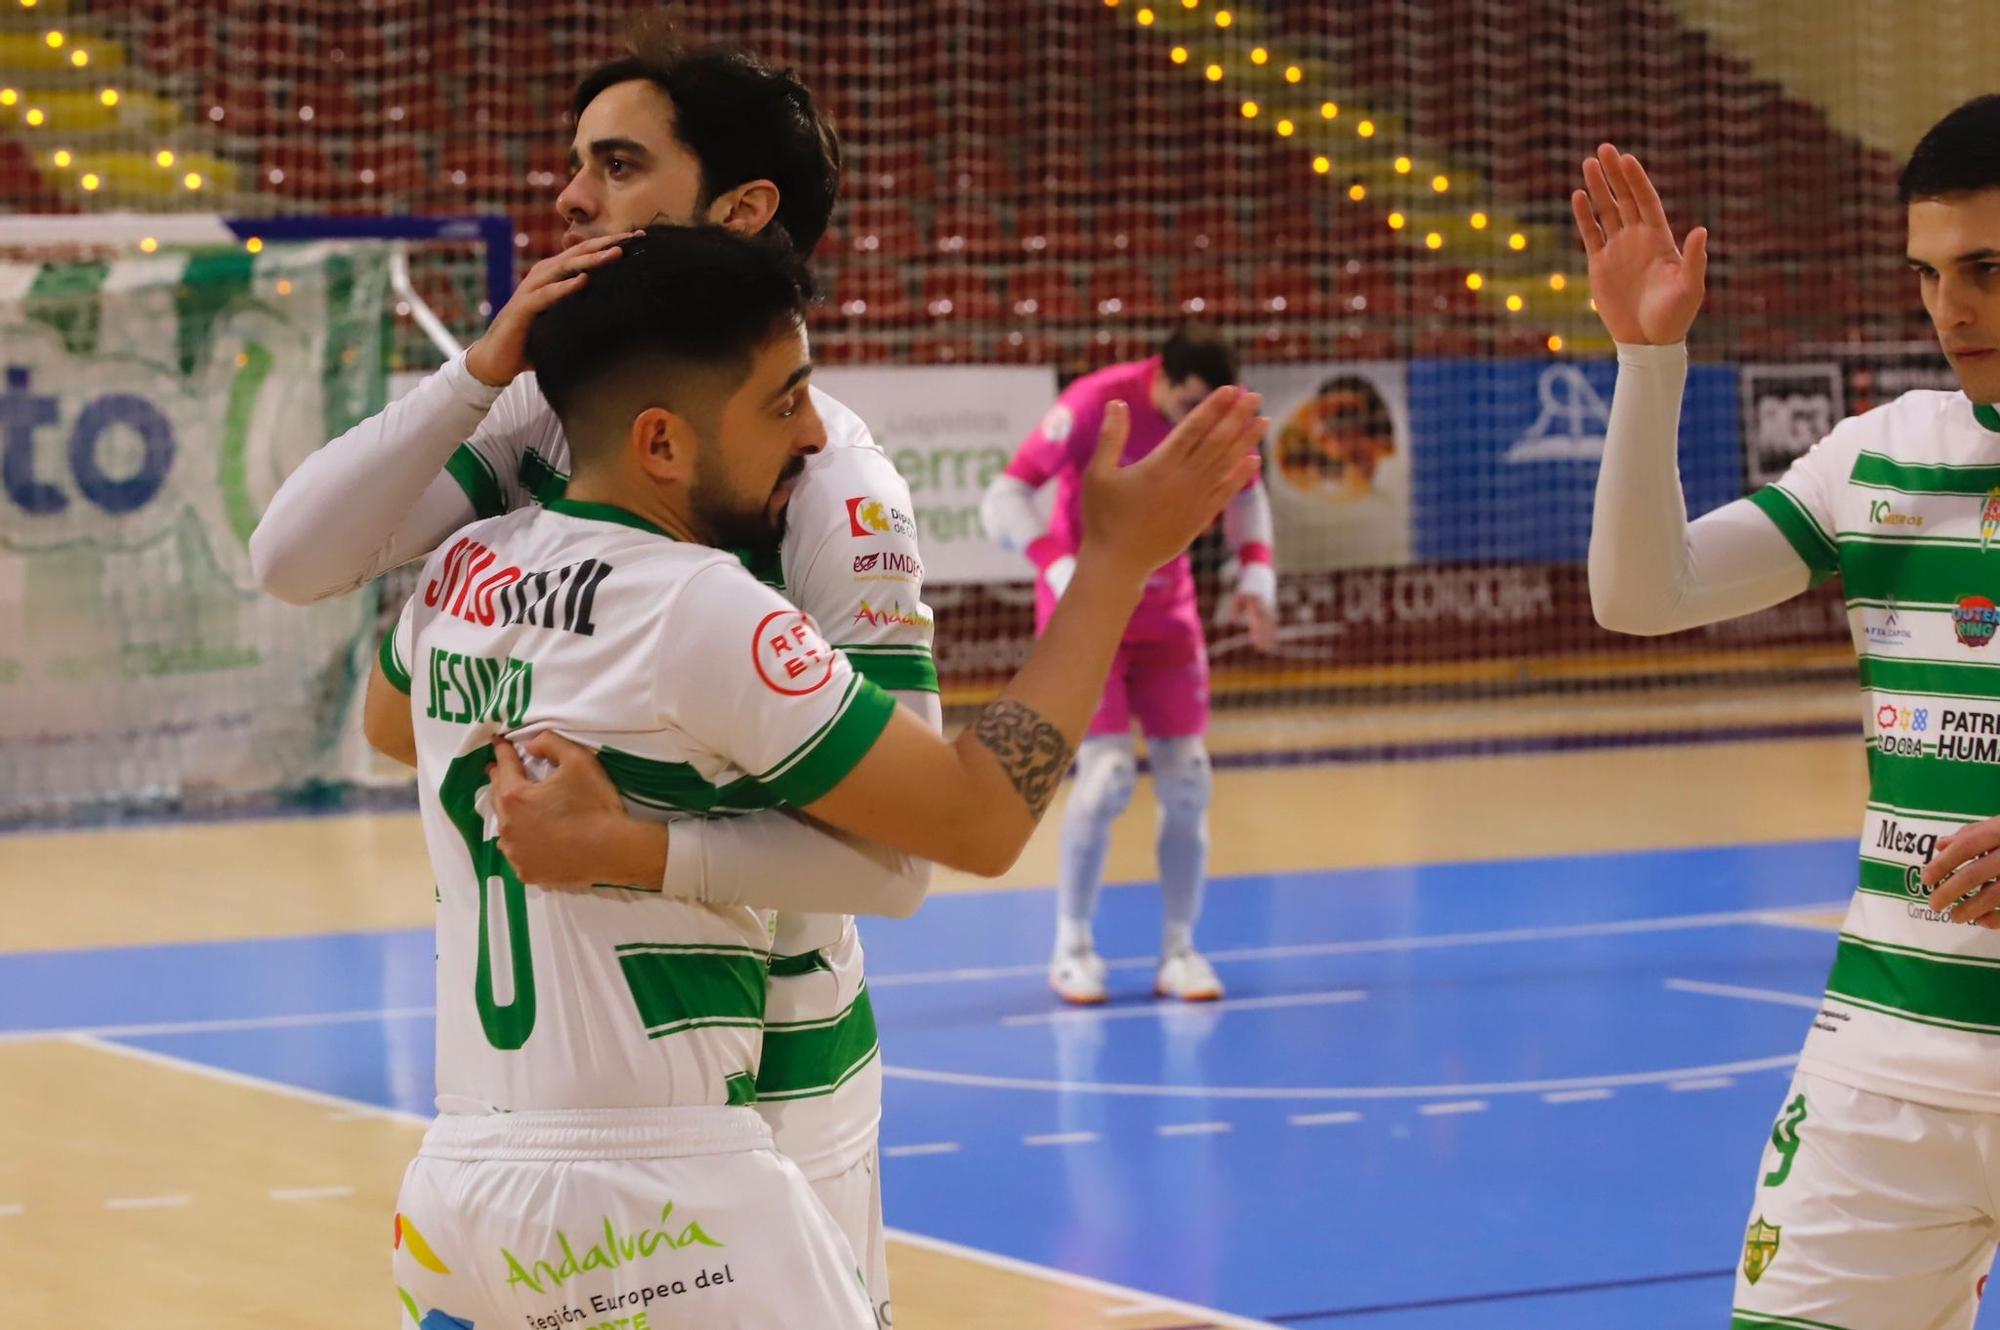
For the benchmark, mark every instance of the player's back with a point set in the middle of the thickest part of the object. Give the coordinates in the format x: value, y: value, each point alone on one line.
x: 554, y: 618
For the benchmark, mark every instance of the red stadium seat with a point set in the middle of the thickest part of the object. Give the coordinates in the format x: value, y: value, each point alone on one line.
x: 1207, y: 291
x: 967, y: 231
x: 296, y: 169
x: 1442, y: 290
x: 1210, y: 230
x: 328, y: 108
x: 960, y: 294
x: 1051, y: 231
x: 1133, y: 231
x: 392, y: 169
x: 1046, y: 295
x: 881, y: 231
x: 1374, y: 292
x: 479, y: 168
x: 944, y: 351
x: 900, y: 173
x: 1288, y: 291
x: 981, y: 174
x: 1124, y: 292
x: 873, y: 295
x: 1019, y: 347
x: 412, y: 107
x: 238, y: 106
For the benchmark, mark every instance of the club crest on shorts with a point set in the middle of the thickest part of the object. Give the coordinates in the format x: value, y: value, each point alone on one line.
x: 1989, y: 518
x: 1760, y: 1248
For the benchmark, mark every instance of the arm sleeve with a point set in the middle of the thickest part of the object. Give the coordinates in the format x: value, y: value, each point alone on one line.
x: 388, y: 490
x: 1246, y: 523
x: 754, y: 682
x: 787, y: 861
x: 1007, y: 512
x: 1650, y: 571
x: 867, y: 595
x: 396, y: 652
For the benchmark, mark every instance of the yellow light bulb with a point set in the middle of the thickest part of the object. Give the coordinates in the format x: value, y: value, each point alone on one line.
x: 1558, y: 282
x: 1441, y: 183
x: 1434, y: 241
x: 163, y: 158
x: 1190, y: 4
x: 1179, y: 54
x: 109, y: 96
x: 8, y: 96
x: 54, y: 39
x: 1249, y: 110
x: 1555, y: 342
x: 1328, y: 110
x: 1473, y: 281
x: 1397, y: 221
x: 28, y: 4
x: 90, y: 181
x: 1515, y: 304
x: 1517, y: 241
x: 79, y: 58
x: 1322, y: 164
x: 1286, y: 129
x: 285, y: 283
x: 35, y: 116
x: 1293, y: 73
x: 1479, y: 220
x: 149, y: 246
x: 1403, y: 165
x: 192, y: 180
x: 1357, y: 192
x: 61, y: 157
x: 255, y: 244
x: 1145, y: 18
x: 1223, y: 18
x: 1366, y: 129
x: 1258, y: 55
x: 1214, y: 73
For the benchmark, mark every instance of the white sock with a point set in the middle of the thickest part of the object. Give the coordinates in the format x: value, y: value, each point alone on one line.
x: 1182, y: 781
x: 1073, y: 937
x: 1176, y: 938
x: 1106, y: 772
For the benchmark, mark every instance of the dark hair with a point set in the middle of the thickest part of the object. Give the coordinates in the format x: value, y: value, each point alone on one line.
x: 678, y: 298
x: 740, y: 118
x: 1959, y: 155
x: 1196, y: 348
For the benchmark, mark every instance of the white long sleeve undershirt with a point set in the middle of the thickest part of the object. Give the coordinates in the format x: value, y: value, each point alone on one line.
x: 318, y: 538
x: 1651, y: 571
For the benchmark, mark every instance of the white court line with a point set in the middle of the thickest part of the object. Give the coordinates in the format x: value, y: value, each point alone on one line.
x: 299, y: 1021
x: 934, y: 1148
x: 1324, y: 1119
x: 7, y: 1211
x: 977, y: 1080
x: 147, y: 1202
x: 1167, y: 1011
x: 1194, y: 1128
x: 1062, y: 1138
x: 1456, y: 1106
x: 1772, y: 995
x: 1138, y: 1309
x: 1705, y: 1083
x: 1609, y: 928
x: 1098, y: 1287
x: 1576, y: 1096
x: 310, y: 1193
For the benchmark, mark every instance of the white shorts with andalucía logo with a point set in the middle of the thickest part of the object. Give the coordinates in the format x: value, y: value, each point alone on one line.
x: 1872, y: 1213
x: 639, y: 1219
x: 853, y: 1197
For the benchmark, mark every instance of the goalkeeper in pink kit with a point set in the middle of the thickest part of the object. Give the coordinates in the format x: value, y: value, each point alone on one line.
x: 1160, y: 677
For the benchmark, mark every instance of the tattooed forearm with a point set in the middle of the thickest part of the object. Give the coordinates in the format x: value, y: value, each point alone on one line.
x: 1031, y: 751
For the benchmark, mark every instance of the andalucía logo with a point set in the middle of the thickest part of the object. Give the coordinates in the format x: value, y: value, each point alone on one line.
x: 1989, y: 518
x: 1974, y: 620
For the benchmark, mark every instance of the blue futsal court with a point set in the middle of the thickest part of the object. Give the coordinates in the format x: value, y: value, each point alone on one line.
x: 1516, y: 1094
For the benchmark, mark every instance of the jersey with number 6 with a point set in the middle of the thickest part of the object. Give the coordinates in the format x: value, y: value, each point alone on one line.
x: 1904, y: 503
x: 706, y: 694
x: 850, y: 559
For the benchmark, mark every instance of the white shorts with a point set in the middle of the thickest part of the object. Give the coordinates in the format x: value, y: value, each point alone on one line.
x: 639, y: 1219
x: 1871, y: 1213
x: 854, y: 1199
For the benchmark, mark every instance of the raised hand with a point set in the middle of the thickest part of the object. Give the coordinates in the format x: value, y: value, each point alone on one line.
x: 1144, y: 514
x: 1647, y: 290
x: 501, y: 353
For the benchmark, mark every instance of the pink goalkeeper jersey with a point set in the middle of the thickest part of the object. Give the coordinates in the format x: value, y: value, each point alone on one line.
x: 1060, y: 449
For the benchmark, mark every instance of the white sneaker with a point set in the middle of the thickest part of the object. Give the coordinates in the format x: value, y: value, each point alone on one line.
x: 1187, y: 975
x: 1078, y: 976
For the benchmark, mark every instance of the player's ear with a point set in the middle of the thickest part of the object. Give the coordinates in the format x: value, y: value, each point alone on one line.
x: 746, y: 209
x: 663, y: 444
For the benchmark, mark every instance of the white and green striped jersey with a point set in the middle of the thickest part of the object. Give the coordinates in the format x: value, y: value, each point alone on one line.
x: 706, y: 694
x: 850, y: 559
x: 1904, y: 503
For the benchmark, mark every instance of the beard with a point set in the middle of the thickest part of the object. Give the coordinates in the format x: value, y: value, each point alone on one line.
x: 729, y: 522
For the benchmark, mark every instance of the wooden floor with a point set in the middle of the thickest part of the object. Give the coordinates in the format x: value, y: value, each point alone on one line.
x: 138, y: 1190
